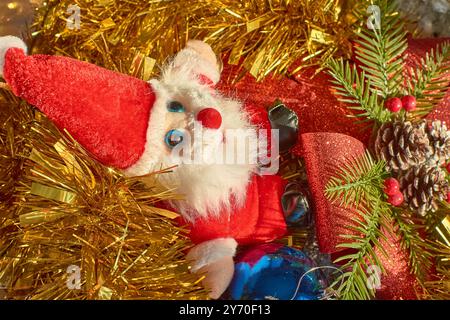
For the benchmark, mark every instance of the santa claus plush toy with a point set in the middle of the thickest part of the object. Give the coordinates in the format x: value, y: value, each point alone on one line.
x: 140, y: 127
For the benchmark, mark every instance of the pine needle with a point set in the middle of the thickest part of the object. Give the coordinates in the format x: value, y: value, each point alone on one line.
x: 426, y: 82
x: 357, y: 181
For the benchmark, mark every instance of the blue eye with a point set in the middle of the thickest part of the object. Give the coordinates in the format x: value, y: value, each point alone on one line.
x: 173, y: 137
x: 175, y: 106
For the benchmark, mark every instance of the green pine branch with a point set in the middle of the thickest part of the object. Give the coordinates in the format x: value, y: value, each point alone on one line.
x: 353, y: 90
x: 354, y: 282
x: 357, y: 184
x: 426, y: 82
x: 420, y: 251
x: 380, y: 50
x: 357, y: 180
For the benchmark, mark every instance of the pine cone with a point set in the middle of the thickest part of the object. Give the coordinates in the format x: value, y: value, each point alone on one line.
x: 422, y: 186
x: 402, y: 145
x: 439, y: 138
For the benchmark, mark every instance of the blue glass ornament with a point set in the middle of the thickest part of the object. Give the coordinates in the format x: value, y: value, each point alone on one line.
x: 273, y: 271
x: 296, y: 205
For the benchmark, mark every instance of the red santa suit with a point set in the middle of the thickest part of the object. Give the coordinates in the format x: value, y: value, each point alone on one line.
x: 259, y: 220
x: 117, y: 118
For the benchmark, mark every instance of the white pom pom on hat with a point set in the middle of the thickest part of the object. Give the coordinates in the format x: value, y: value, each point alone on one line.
x: 6, y: 43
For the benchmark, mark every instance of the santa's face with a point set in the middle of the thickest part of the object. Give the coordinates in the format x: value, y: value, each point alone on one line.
x: 207, y: 139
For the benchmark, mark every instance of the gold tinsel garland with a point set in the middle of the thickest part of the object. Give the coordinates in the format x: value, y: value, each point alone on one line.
x: 134, y: 36
x: 60, y: 210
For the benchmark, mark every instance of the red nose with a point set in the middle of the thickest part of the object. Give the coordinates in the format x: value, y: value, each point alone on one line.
x: 210, y: 118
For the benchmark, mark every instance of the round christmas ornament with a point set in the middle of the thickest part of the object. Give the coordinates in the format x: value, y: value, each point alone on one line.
x: 275, y: 272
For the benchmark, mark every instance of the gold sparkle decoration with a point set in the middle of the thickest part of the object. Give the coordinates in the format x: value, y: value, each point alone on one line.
x: 266, y: 36
x: 60, y: 209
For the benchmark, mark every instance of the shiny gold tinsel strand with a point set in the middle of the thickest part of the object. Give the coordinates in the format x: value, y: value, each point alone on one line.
x: 61, y: 210
x: 133, y: 36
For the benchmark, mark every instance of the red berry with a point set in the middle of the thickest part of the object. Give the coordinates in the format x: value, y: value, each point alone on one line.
x: 448, y: 167
x: 396, y: 200
x: 391, y: 186
x: 394, y: 104
x: 409, y: 103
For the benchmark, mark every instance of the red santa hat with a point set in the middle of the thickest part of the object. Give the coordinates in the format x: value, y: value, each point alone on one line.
x: 117, y: 118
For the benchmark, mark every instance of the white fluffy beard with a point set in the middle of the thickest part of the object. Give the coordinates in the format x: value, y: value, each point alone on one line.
x: 207, y: 185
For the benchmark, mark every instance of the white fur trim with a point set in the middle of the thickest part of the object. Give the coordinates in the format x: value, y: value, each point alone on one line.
x: 155, y: 134
x: 210, y: 251
x: 6, y: 43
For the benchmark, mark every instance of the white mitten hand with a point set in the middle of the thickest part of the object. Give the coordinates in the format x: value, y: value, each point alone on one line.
x: 218, y: 276
x: 214, y: 259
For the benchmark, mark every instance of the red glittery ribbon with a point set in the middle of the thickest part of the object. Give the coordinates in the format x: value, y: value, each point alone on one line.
x: 324, y: 153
